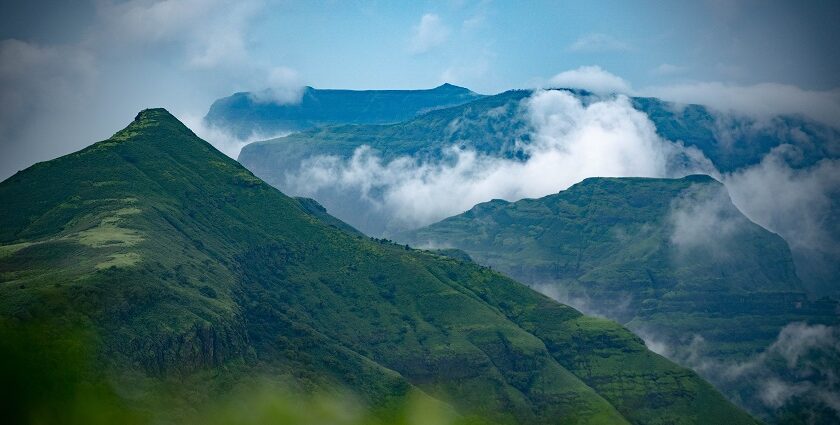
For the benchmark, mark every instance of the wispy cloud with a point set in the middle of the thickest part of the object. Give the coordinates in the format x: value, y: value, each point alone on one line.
x: 569, y: 141
x: 211, y: 32
x: 758, y: 100
x: 57, y: 98
x: 284, y: 87
x: 598, y: 42
x: 703, y: 221
x: 428, y: 33
x: 797, y: 365
x: 222, y: 139
x: 474, y: 22
x: 591, y: 78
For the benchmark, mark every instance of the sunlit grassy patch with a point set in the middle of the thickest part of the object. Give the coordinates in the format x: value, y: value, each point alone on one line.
x: 109, y: 232
x: 6, y: 250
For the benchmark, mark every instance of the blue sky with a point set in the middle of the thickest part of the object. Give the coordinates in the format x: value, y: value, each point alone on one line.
x: 492, y: 46
x: 74, y: 73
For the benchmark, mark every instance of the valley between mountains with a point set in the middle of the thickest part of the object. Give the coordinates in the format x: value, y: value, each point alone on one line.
x: 149, y: 278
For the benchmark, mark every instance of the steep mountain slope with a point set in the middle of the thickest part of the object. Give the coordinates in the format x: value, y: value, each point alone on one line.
x: 671, y: 259
x: 187, y: 271
x: 246, y: 113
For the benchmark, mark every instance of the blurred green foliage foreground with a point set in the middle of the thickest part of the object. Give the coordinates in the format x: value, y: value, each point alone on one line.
x: 49, y: 377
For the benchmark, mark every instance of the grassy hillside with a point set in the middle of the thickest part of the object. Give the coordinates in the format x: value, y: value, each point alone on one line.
x: 671, y: 259
x: 187, y: 278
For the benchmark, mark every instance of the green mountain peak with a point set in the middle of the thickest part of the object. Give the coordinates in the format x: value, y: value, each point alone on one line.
x: 155, y: 114
x: 151, y: 121
x: 183, y: 267
x: 153, y: 117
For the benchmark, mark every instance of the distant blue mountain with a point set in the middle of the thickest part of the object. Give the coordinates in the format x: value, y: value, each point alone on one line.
x: 732, y: 142
x: 491, y: 125
x: 244, y: 113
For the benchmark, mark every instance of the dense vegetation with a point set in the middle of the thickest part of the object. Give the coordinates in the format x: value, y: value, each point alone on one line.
x: 671, y: 259
x: 170, y: 275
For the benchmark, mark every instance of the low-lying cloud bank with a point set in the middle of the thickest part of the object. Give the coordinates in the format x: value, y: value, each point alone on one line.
x: 222, y: 139
x: 800, y: 364
x: 592, y: 78
x: 801, y: 205
x: 570, y: 141
x: 704, y: 222
x: 760, y: 101
x: 572, y: 138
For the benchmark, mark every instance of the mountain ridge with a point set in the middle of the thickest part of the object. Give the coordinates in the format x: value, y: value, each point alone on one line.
x: 185, y: 266
x: 246, y: 113
x: 671, y: 259
x: 498, y: 126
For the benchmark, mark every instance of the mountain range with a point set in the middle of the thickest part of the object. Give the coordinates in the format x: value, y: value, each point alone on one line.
x: 671, y: 259
x: 185, y: 277
x: 627, y: 249
x: 499, y: 126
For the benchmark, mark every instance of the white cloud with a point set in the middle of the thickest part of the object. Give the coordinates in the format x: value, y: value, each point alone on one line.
x: 55, y: 99
x: 223, y: 140
x: 797, y: 339
x: 581, y: 301
x: 798, y: 204
x: 429, y: 33
x: 810, y: 353
x: 759, y: 100
x: 591, y: 78
x: 152, y: 20
x: 799, y: 363
x: 598, y: 42
x: 570, y: 141
x: 774, y: 195
x: 284, y: 87
x: 212, y: 32
x: 702, y: 218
